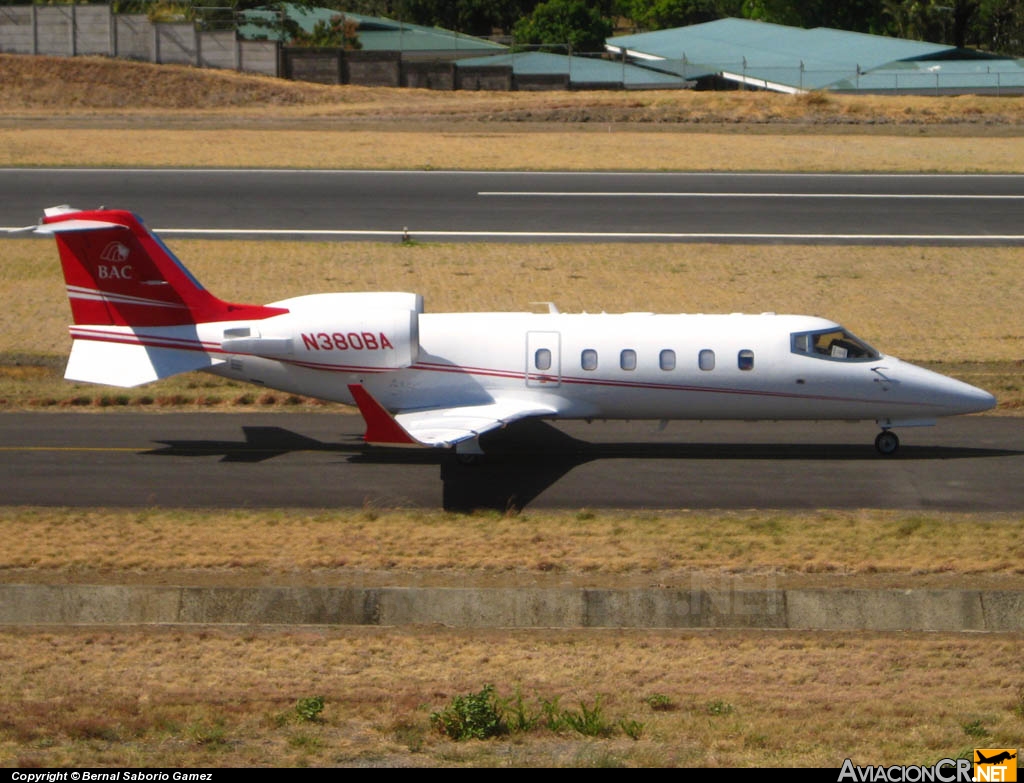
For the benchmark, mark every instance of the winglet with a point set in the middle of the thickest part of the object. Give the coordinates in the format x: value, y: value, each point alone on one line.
x: 381, y: 427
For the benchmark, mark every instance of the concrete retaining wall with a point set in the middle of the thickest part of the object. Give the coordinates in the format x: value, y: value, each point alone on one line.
x: 218, y: 50
x: 477, y: 78
x: 176, y: 44
x: 17, y: 29
x: 54, y: 34
x: 429, y: 75
x: 69, y: 30
x: 870, y: 610
x: 134, y: 37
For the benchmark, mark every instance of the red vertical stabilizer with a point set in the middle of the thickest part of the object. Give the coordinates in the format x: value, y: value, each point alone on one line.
x: 119, y: 273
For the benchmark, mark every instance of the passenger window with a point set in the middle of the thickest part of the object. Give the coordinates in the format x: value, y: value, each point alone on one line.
x: 706, y: 359
x: 667, y: 359
x: 746, y: 359
x: 627, y: 359
x: 588, y: 359
x: 542, y: 359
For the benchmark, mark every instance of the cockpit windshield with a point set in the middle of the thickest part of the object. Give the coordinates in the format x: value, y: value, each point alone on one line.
x: 837, y: 344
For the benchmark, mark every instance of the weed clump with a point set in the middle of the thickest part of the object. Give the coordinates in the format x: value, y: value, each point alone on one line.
x: 472, y: 716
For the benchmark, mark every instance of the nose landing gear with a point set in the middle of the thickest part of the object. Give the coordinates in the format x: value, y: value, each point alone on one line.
x: 887, y: 443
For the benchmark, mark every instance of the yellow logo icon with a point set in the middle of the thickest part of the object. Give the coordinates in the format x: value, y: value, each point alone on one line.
x: 995, y: 765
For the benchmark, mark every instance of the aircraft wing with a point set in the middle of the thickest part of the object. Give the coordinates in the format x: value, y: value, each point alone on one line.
x: 440, y: 426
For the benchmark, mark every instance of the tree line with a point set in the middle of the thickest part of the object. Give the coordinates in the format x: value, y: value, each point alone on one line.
x: 995, y: 26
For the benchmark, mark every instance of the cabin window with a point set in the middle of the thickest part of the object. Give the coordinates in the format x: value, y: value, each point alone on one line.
x: 837, y: 344
x: 588, y: 359
x: 745, y: 359
x: 627, y: 359
x: 667, y: 359
x: 542, y: 359
x: 706, y: 359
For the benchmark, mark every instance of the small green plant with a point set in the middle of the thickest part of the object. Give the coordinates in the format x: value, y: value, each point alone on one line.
x: 974, y: 729
x: 213, y: 736
x: 553, y: 716
x: 589, y: 721
x: 305, y: 742
x: 659, y: 702
x: 472, y: 716
x: 308, y: 710
x: 719, y: 707
x: 410, y: 734
x: 519, y: 717
x: 633, y: 729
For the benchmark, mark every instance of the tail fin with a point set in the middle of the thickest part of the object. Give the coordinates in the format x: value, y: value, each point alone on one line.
x: 120, y: 274
x: 134, y: 304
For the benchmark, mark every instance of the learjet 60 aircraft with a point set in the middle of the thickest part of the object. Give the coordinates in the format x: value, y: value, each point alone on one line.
x: 444, y: 379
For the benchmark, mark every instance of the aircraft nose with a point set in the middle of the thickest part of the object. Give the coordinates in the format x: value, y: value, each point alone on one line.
x: 953, y: 396
x: 975, y: 400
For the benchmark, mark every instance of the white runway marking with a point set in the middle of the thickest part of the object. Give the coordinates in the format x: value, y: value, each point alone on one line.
x: 413, y: 233
x: 710, y: 194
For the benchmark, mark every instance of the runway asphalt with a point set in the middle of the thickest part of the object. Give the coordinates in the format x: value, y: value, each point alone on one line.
x: 536, y: 206
x: 258, y: 459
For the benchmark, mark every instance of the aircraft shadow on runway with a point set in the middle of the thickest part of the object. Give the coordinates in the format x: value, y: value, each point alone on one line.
x: 527, y: 458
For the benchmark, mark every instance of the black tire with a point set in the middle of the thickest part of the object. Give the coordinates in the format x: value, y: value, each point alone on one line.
x: 887, y: 443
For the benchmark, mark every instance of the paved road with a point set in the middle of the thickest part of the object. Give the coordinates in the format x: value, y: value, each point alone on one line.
x: 318, y: 460
x: 517, y: 206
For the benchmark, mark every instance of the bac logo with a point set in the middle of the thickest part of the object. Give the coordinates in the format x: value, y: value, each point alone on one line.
x: 995, y: 764
x: 115, y: 254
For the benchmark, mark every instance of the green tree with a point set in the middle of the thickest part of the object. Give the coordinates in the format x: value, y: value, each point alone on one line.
x: 663, y: 14
x: 570, y: 22
x: 339, y: 33
x: 862, y: 16
x: 998, y: 26
x: 474, y: 17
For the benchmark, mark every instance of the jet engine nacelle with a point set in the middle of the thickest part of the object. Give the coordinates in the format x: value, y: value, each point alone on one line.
x: 360, y: 331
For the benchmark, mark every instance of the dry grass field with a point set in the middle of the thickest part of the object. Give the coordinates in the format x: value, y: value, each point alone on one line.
x: 228, y: 697
x: 100, y: 112
x: 587, y: 548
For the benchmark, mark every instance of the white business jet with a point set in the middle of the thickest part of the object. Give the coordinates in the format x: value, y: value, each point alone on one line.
x: 444, y: 379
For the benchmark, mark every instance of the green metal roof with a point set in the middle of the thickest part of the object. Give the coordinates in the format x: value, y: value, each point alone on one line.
x: 580, y: 70
x: 376, y: 34
x: 785, y: 58
x: 947, y: 76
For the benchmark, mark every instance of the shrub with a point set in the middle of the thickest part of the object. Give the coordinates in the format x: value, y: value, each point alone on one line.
x: 308, y: 710
x: 473, y: 716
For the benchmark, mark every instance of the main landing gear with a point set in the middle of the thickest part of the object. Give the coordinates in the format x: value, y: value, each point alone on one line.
x: 468, y: 452
x: 887, y: 443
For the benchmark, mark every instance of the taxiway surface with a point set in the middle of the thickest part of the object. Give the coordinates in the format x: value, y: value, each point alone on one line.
x: 128, y: 459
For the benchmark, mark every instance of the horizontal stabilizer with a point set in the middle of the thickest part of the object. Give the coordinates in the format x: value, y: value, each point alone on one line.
x: 117, y: 364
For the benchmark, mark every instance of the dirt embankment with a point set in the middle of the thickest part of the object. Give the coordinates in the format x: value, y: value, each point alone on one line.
x: 49, y: 87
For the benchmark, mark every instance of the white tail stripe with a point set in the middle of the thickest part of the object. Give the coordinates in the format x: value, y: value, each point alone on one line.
x: 93, y: 295
x: 129, y: 335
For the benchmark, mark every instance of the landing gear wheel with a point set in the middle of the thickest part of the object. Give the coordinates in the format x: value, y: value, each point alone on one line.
x: 887, y: 443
